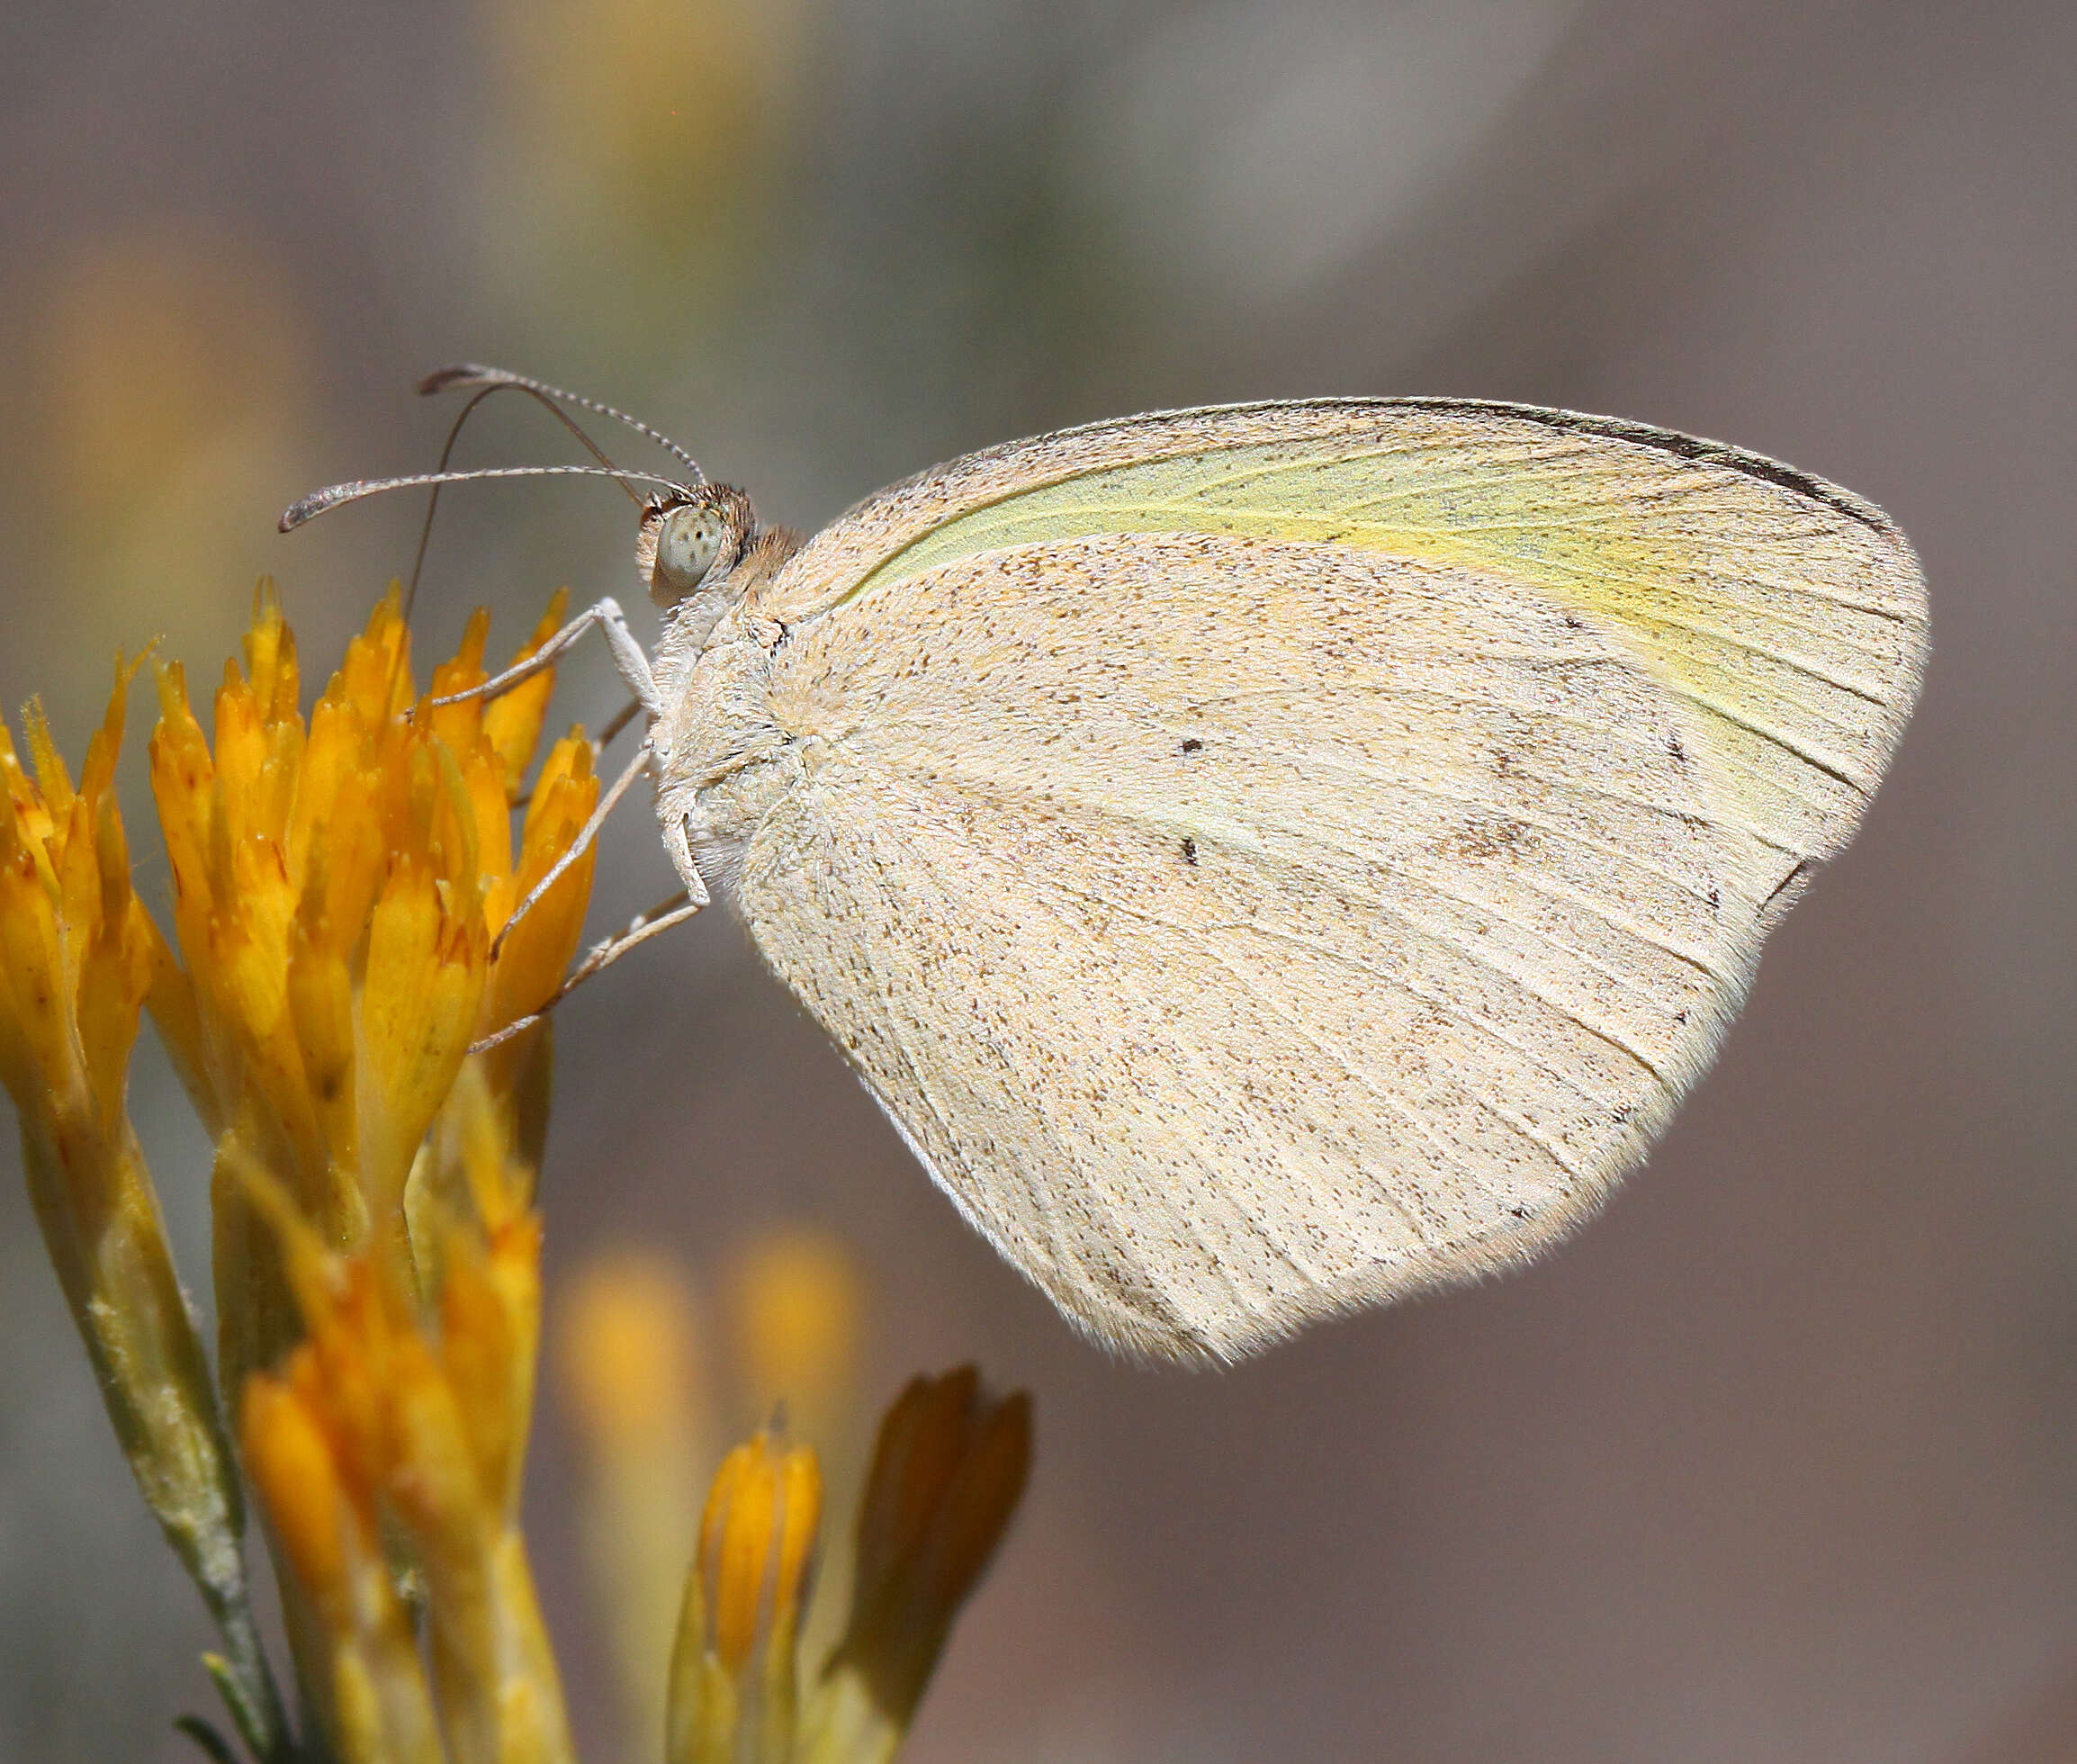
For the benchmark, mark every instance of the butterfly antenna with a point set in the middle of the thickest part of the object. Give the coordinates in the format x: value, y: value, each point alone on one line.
x: 474, y: 373
x: 447, y: 453
x: 334, y: 496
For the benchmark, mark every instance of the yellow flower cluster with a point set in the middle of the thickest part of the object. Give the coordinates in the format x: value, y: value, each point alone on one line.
x: 344, y: 960
x: 339, y: 887
x: 338, y: 891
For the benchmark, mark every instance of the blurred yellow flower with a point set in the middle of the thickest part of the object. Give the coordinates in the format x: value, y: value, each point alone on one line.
x: 172, y: 358
x: 626, y: 1354
x: 796, y: 1303
x: 641, y: 148
x: 626, y: 1348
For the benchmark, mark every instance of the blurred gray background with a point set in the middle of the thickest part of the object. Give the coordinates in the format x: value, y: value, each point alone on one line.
x: 1778, y: 1461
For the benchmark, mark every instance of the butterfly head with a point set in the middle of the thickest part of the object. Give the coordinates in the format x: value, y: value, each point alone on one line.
x: 690, y: 538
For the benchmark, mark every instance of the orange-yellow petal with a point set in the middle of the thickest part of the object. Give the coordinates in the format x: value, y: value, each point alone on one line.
x: 756, y: 1542
x: 291, y: 1465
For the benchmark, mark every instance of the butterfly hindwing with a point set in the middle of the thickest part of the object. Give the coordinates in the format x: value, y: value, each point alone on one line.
x: 1272, y: 859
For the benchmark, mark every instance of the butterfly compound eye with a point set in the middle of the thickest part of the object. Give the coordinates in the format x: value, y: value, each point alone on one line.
x: 688, y: 546
x: 691, y: 539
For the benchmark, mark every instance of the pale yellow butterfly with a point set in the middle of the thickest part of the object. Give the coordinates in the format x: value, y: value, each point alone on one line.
x: 1276, y: 858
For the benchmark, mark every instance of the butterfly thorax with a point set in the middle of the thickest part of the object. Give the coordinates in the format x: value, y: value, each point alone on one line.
x: 725, y: 759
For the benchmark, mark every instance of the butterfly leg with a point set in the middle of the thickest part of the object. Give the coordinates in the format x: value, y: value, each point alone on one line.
x: 642, y: 763
x: 628, y: 660
x: 661, y: 917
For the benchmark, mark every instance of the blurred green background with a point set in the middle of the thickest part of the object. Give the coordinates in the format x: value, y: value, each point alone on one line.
x: 1778, y: 1461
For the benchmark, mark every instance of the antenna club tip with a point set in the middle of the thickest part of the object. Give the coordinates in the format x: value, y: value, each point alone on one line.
x: 318, y: 502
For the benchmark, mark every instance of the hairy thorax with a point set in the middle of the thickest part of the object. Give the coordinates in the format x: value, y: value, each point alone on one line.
x: 726, y: 759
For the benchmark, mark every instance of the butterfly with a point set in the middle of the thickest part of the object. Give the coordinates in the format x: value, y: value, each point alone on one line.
x: 1275, y: 859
